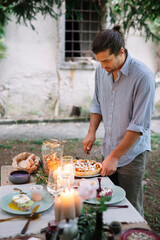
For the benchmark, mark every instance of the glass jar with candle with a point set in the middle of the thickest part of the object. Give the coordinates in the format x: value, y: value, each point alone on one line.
x: 52, y: 152
x: 68, y: 171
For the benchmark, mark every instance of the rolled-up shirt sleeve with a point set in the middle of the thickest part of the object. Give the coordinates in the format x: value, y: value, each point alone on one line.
x: 143, y: 104
x: 95, y: 108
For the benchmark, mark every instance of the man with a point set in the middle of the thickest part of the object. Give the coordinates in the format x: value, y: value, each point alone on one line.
x: 123, y: 99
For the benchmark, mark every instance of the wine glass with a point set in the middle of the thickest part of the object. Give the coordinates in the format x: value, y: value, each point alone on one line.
x: 55, y: 184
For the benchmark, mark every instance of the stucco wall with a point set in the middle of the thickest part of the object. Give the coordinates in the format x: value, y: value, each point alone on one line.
x: 31, y: 87
x: 147, y: 52
x: 28, y: 73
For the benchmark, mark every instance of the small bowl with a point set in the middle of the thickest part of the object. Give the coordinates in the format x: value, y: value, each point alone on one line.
x: 19, y: 177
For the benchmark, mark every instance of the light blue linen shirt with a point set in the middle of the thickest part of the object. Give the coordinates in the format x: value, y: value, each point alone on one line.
x: 125, y: 104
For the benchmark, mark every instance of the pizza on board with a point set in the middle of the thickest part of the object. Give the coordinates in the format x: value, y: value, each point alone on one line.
x: 84, y: 167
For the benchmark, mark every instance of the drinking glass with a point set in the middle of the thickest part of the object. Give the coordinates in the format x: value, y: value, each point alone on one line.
x: 68, y: 171
x: 55, y: 184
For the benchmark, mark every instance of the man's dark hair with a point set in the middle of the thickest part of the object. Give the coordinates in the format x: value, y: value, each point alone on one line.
x: 111, y: 39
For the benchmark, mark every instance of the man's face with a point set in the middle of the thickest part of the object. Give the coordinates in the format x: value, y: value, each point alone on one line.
x: 109, y: 62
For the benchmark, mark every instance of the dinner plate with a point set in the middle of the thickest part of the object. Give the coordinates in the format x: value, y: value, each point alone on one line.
x: 45, y: 203
x: 144, y: 232
x: 118, y: 195
x: 96, y: 175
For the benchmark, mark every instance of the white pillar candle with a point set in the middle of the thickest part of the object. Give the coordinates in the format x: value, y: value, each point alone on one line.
x: 68, y: 204
x: 57, y: 208
x: 78, y: 203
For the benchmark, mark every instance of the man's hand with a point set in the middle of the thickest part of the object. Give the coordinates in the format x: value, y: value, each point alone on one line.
x: 95, y: 120
x: 88, y: 142
x: 109, y: 166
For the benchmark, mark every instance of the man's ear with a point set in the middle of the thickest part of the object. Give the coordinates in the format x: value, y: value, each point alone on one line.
x: 121, y: 51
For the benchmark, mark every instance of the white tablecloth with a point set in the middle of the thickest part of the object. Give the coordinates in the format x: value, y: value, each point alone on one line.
x: 13, y: 228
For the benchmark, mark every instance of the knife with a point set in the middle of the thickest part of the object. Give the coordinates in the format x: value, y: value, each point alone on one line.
x: 8, y: 219
x: 30, y: 218
x: 116, y: 206
x: 87, y: 153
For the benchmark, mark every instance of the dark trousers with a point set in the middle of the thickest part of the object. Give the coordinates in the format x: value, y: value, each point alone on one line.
x: 130, y: 178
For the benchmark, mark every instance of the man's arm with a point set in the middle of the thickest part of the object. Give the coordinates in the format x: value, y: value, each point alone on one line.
x: 109, y: 165
x: 95, y: 120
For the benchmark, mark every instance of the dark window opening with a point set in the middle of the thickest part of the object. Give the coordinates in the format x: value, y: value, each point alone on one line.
x: 83, y: 22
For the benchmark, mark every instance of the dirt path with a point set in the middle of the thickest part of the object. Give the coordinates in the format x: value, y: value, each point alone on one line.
x: 54, y: 130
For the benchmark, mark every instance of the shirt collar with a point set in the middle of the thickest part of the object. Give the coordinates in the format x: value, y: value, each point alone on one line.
x: 125, y: 68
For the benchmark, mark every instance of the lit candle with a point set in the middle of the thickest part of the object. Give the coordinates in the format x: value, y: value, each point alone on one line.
x: 57, y: 208
x: 68, y: 209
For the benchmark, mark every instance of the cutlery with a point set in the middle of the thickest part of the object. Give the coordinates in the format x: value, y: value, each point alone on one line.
x: 30, y: 218
x: 87, y: 153
x: 8, y: 219
x: 117, y: 206
x: 17, y: 189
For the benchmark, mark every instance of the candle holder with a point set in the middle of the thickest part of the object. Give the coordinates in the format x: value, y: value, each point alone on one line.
x: 52, y: 152
x: 68, y: 171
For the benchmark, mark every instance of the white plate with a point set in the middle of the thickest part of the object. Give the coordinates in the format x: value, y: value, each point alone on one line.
x: 96, y: 175
x: 118, y: 195
x: 45, y: 203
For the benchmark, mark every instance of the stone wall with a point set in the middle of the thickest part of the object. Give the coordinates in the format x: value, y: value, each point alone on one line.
x: 31, y: 83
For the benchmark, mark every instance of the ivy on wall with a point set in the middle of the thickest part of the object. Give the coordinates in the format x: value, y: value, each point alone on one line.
x: 24, y: 11
x: 138, y: 14
x: 2, y: 45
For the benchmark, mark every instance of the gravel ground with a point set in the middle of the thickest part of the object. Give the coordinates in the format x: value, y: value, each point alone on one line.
x: 67, y: 130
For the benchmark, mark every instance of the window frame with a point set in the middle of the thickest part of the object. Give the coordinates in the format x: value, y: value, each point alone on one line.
x: 87, y: 63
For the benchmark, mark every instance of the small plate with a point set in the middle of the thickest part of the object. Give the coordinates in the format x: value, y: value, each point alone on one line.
x: 125, y: 234
x: 96, y: 175
x: 118, y: 195
x: 45, y: 203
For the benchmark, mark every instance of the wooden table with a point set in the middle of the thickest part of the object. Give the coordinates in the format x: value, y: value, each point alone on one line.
x: 5, y: 171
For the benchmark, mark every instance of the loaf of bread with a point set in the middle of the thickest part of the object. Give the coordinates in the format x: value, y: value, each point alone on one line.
x: 26, y: 161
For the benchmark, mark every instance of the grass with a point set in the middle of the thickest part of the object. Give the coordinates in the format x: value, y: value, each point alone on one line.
x: 5, y: 146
